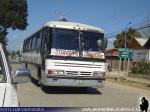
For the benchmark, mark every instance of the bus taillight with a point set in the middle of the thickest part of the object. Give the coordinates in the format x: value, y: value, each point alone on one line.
x: 50, y: 72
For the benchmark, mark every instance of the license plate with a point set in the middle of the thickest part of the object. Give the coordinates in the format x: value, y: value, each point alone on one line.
x: 79, y: 81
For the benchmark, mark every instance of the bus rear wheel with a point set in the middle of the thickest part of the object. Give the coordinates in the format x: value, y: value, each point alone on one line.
x: 39, y: 76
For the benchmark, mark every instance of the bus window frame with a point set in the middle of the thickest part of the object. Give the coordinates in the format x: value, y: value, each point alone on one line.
x: 46, y: 35
x: 39, y: 44
x: 33, y: 42
x: 38, y: 38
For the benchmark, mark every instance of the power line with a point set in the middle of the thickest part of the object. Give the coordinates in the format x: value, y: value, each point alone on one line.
x: 133, y: 26
x: 143, y: 27
x: 140, y: 28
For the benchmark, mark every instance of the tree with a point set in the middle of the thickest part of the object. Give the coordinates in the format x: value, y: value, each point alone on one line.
x: 120, y: 38
x: 13, y: 14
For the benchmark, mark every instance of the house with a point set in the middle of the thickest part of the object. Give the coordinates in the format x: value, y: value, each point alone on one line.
x: 137, y: 43
x: 112, y: 57
x: 111, y: 53
x: 147, y: 44
x: 141, y: 51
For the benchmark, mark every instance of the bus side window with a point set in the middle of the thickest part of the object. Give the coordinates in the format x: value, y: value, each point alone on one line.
x: 49, y: 39
x: 38, y: 41
x: 27, y: 45
x: 46, y: 39
x: 33, y: 42
x: 24, y: 45
x: 42, y: 40
x: 30, y: 44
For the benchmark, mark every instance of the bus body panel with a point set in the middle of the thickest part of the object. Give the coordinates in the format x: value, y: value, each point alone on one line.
x: 69, y: 65
x: 76, y: 73
x: 72, y: 82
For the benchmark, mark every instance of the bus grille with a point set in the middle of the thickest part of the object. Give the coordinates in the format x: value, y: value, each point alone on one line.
x: 77, y: 65
x: 76, y: 73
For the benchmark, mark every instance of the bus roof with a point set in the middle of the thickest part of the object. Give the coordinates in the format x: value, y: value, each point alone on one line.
x: 73, y: 25
x: 69, y: 25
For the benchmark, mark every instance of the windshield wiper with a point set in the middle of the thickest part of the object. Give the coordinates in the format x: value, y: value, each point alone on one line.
x: 72, y: 53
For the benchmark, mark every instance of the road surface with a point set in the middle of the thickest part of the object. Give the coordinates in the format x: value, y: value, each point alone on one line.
x: 111, y: 95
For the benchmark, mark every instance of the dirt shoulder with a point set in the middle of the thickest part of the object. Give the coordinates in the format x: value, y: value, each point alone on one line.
x: 132, y: 81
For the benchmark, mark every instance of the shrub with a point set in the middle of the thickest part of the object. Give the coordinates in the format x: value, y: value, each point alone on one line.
x: 141, y: 68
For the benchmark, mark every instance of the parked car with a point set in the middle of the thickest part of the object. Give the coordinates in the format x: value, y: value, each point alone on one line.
x: 8, y: 81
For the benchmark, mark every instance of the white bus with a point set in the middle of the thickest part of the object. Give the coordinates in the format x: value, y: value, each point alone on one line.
x: 66, y: 54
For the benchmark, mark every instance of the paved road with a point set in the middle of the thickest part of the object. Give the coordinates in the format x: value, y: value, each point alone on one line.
x: 112, y: 95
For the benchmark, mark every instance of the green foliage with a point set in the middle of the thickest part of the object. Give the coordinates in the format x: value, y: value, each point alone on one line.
x: 141, y: 68
x: 120, y: 38
x: 13, y: 14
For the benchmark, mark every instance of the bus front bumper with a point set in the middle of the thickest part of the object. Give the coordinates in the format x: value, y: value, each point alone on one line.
x: 75, y: 81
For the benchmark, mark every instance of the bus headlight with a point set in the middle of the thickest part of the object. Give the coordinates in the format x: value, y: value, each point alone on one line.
x: 98, y: 73
x: 55, y: 72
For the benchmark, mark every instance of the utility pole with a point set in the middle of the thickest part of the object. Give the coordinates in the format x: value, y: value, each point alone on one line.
x: 125, y: 43
x: 126, y: 31
x: 125, y: 46
x: 128, y: 65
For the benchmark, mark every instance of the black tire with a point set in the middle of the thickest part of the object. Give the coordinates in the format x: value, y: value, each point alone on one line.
x: 44, y: 88
x: 33, y: 80
x: 39, y: 83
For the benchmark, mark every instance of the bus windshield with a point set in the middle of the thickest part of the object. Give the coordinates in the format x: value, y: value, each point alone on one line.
x: 65, y: 39
x: 69, y: 39
x: 89, y: 40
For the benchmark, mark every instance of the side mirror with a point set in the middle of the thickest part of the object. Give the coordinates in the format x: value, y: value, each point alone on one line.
x: 22, y: 75
x: 99, y: 44
x: 105, y: 41
x: 102, y: 44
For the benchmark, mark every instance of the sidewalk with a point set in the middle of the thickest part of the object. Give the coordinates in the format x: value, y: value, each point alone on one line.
x: 123, y: 75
